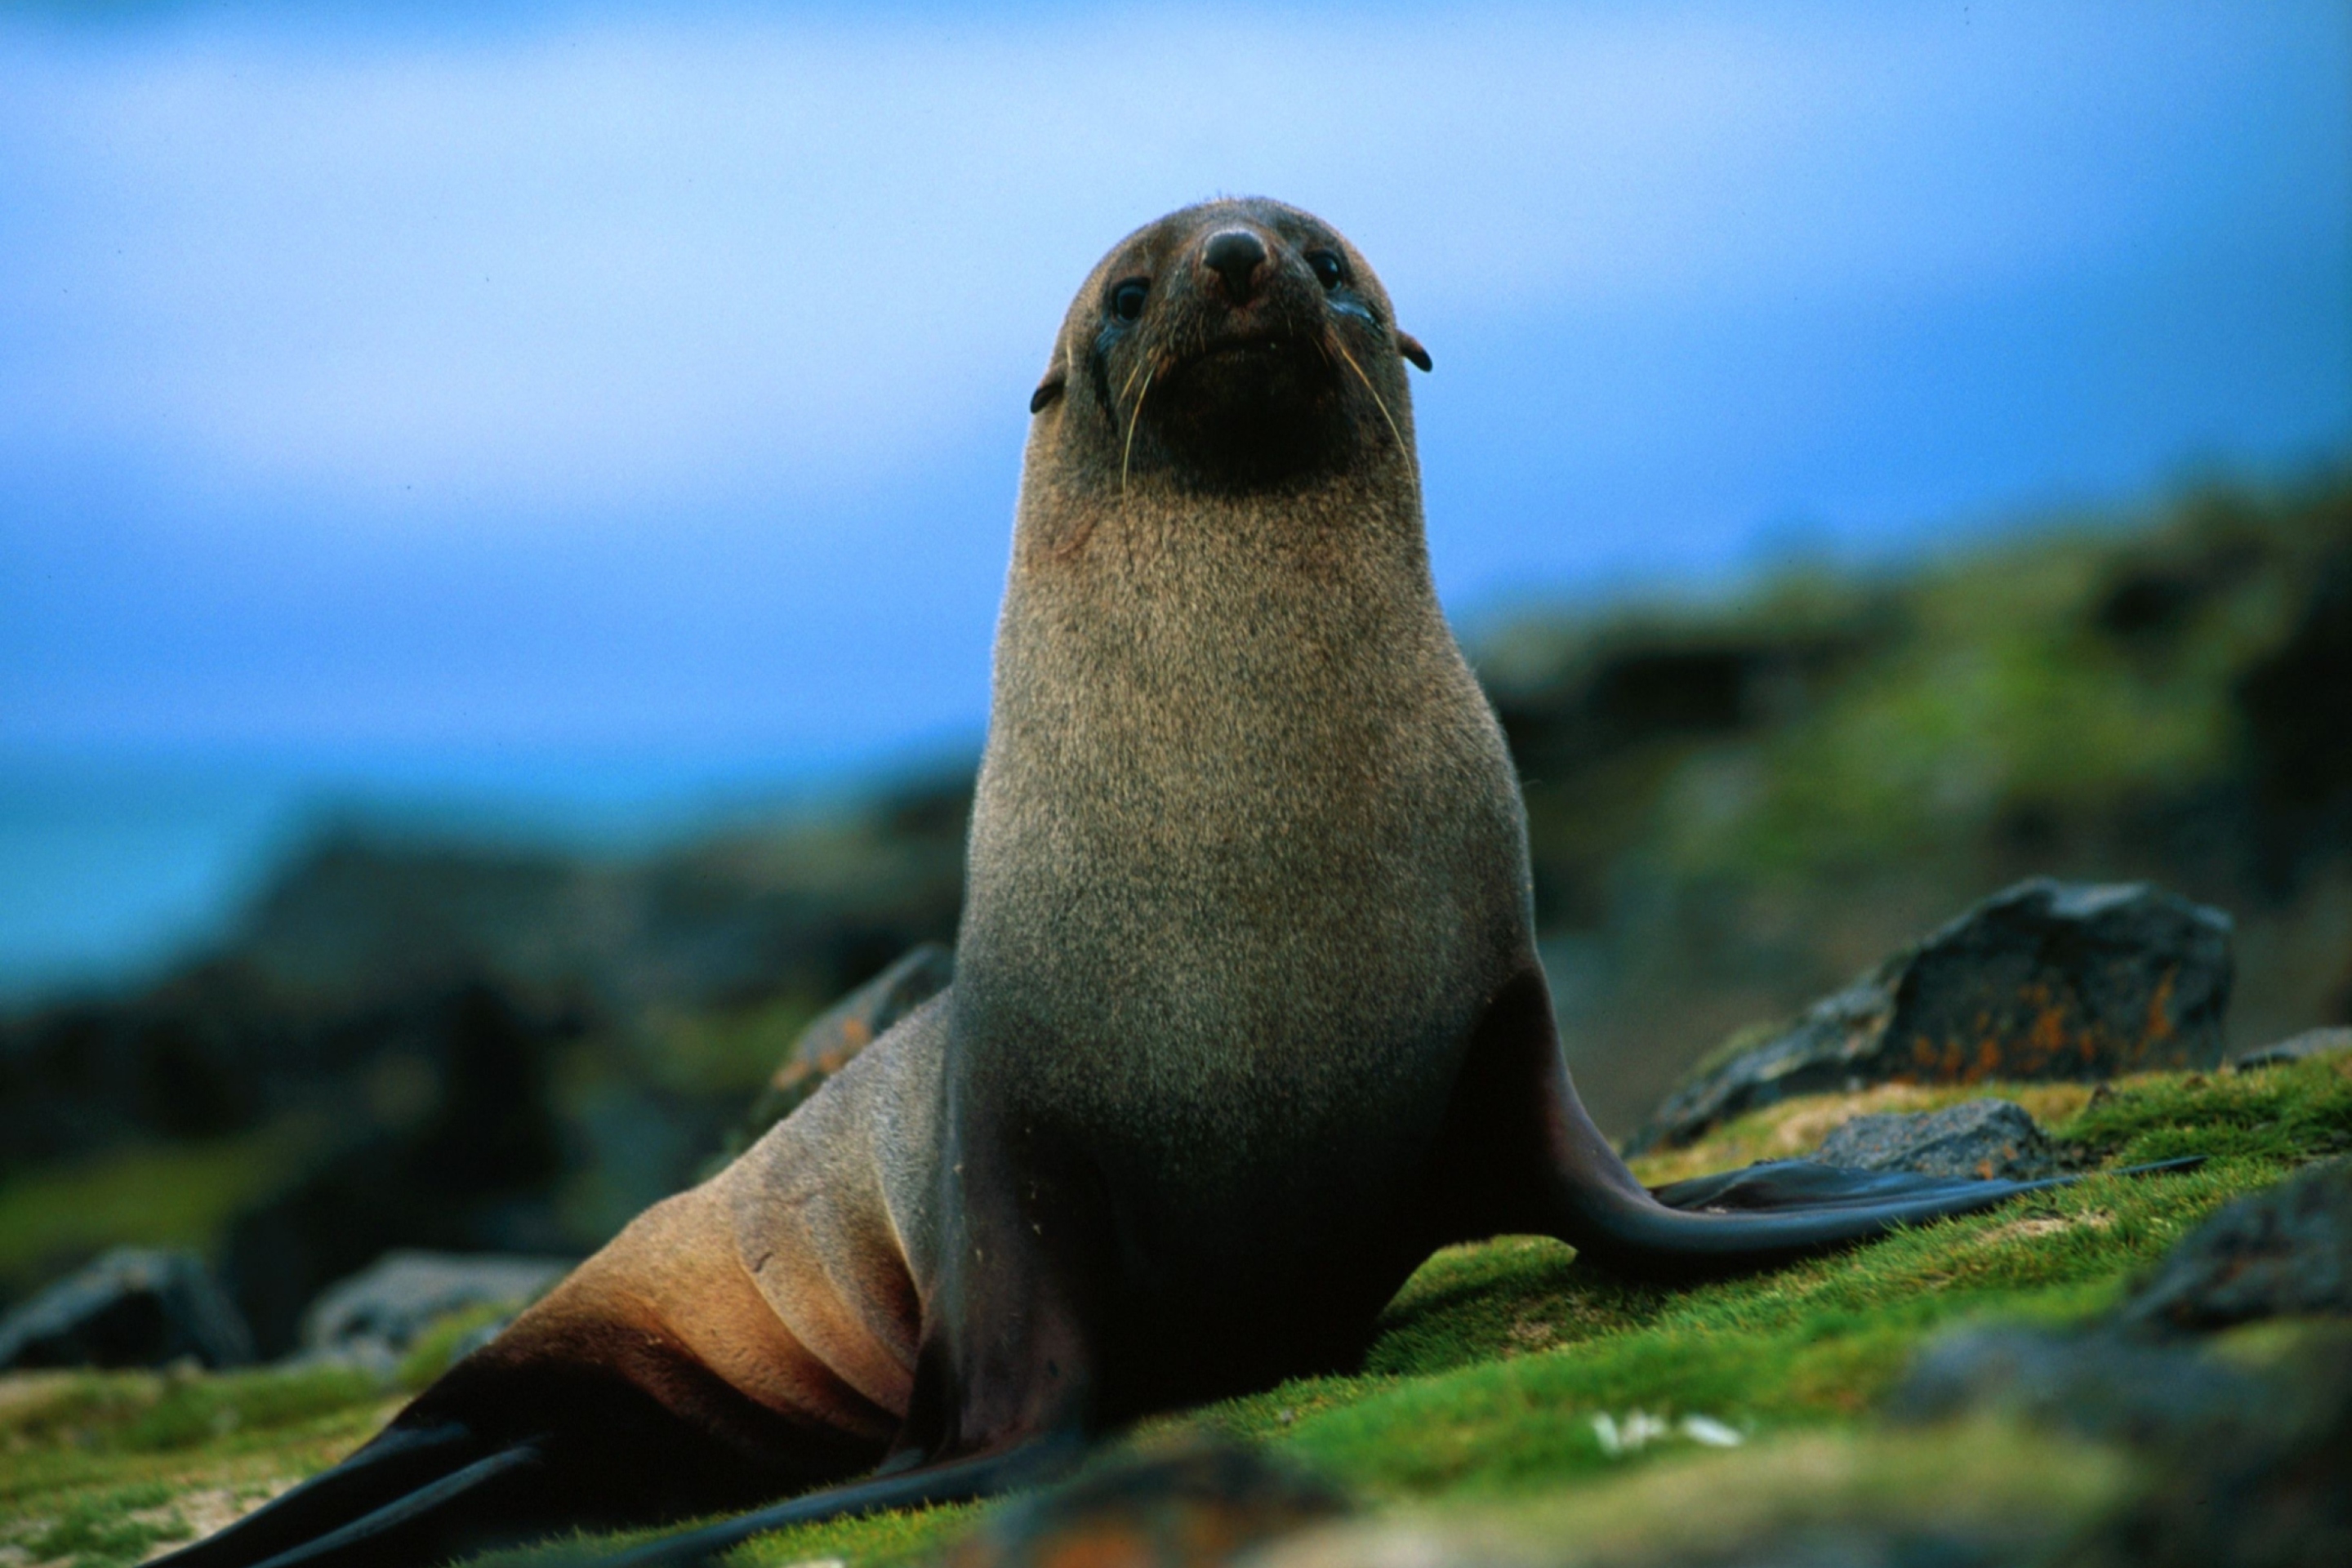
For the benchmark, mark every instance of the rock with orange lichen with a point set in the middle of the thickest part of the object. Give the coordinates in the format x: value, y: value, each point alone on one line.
x: 2044, y: 981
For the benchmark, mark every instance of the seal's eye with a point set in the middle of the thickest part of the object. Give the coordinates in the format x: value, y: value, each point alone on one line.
x: 1127, y: 300
x: 1330, y: 270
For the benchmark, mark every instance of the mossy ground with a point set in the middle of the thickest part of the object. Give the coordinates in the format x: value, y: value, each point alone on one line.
x: 1483, y: 1386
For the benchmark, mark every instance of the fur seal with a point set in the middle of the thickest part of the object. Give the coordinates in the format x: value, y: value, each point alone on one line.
x: 1247, y: 1017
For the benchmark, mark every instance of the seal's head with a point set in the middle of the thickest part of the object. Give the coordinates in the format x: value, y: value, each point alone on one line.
x: 1234, y: 346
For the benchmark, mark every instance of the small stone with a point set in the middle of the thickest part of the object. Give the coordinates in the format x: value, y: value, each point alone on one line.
x: 379, y: 1312
x: 1988, y: 1138
x: 134, y: 1307
x: 2295, y: 1048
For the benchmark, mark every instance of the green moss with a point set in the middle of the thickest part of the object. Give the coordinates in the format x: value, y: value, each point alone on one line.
x: 728, y: 1053
x: 2000, y: 690
x: 1487, y: 1370
x: 119, y: 1526
x: 67, y: 1435
x: 444, y: 1339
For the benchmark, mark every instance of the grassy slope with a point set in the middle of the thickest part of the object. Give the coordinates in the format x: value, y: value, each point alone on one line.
x: 1483, y: 1386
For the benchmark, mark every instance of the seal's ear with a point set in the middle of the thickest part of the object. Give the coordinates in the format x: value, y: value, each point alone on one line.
x: 1410, y: 346
x: 1048, y: 389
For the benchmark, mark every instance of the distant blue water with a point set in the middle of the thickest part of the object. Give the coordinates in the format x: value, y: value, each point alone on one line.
x: 114, y: 865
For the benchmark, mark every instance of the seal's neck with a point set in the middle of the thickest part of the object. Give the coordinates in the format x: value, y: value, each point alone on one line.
x: 1165, y: 632
x: 1155, y: 569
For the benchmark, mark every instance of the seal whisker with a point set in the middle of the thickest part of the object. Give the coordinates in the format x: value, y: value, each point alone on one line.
x: 1142, y: 365
x: 1341, y: 349
x: 1127, y: 452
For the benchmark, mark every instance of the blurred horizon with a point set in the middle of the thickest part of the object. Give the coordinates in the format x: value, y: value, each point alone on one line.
x: 550, y: 421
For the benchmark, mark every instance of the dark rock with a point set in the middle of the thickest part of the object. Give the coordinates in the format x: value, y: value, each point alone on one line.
x: 380, y: 1311
x: 2285, y: 1251
x: 294, y: 1012
x: 1200, y: 1506
x: 2095, y: 1383
x: 2247, y: 1454
x: 2045, y: 981
x: 2294, y: 1048
x: 1989, y: 1138
x: 2247, y: 1462
x: 468, y: 1166
x: 2275, y: 1501
x: 843, y: 1030
x: 133, y: 1306
x: 2297, y: 708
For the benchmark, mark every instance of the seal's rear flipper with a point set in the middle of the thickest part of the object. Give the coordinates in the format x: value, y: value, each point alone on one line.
x: 1794, y: 1185
x: 416, y: 1495
x: 1521, y: 1156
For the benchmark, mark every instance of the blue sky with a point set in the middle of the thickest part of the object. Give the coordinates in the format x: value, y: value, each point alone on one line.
x: 562, y: 382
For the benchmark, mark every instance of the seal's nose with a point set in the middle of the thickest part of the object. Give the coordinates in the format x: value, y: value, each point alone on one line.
x: 1238, y: 256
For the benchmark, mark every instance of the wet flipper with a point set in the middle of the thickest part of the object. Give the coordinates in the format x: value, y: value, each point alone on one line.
x: 414, y: 1496
x: 1768, y: 1214
x: 965, y: 1479
x: 1801, y: 1185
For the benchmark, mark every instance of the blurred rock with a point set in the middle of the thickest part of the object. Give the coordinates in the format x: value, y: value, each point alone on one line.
x: 2297, y: 708
x: 296, y: 1007
x: 2250, y: 1447
x: 463, y: 1161
x: 2248, y: 1461
x: 2248, y: 1458
x: 378, y: 1313
x: 134, y: 1307
x: 1196, y: 1508
x: 2045, y: 980
x: 2285, y: 1251
x: 2295, y: 1048
x: 2095, y: 1383
x: 843, y: 1030
x: 1988, y: 1138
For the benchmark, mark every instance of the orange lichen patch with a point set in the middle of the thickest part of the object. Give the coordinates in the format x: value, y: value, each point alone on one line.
x: 1103, y: 1545
x: 2043, y: 1036
x: 2158, y: 1027
x: 2046, y: 1035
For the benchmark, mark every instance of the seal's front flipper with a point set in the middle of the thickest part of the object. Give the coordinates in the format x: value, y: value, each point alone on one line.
x: 416, y: 1495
